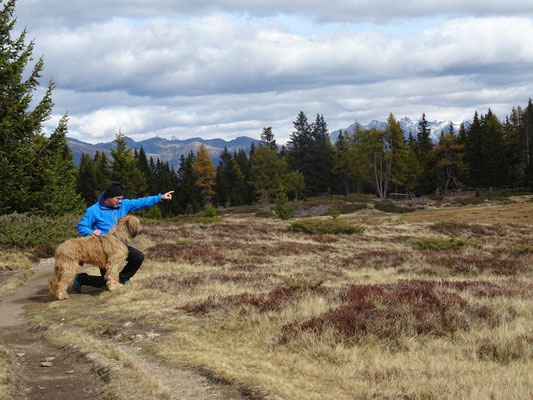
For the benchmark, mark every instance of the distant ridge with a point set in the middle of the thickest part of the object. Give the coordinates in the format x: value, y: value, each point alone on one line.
x: 408, y: 126
x: 167, y: 150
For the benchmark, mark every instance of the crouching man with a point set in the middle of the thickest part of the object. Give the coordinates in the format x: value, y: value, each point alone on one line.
x: 101, y: 217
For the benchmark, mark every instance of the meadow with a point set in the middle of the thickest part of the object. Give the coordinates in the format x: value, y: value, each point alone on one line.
x: 436, y: 303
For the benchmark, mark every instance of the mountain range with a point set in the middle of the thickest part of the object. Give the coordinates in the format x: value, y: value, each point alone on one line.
x: 170, y: 150
x: 167, y: 150
x: 408, y: 126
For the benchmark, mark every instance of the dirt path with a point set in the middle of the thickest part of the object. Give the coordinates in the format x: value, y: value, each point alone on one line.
x: 69, y: 377
x: 66, y: 377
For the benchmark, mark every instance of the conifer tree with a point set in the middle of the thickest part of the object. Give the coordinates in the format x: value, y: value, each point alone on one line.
x: 528, y: 145
x: 493, y: 152
x: 267, y: 139
x: 229, y: 183
x: 311, y: 153
x: 342, y: 162
x: 424, y: 146
x: 144, y: 166
x: 22, y: 143
x: 205, y: 173
x: 124, y: 169
x: 86, y: 183
x: 472, y: 152
x: 55, y: 187
x: 103, y: 171
x: 188, y: 196
x: 268, y: 172
x: 449, y: 157
x: 245, y: 166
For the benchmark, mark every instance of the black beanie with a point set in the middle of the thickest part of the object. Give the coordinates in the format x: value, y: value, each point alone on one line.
x: 114, y: 190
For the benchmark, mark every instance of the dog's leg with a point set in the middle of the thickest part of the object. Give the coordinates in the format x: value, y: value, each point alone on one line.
x: 64, y: 272
x: 112, y: 269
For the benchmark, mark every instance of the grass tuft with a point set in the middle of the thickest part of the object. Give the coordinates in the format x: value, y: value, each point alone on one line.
x: 328, y: 226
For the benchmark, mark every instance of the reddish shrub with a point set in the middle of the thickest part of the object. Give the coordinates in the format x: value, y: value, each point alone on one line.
x: 376, y: 259
x: 325, y: 238
x: 296, y: 248
x: 512, y: 288
x: 457, y: 228
x: 273, y: 300
x: 406, y: 308
x: 473, y: 264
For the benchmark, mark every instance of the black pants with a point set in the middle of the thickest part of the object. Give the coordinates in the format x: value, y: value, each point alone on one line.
x: 135, y: 260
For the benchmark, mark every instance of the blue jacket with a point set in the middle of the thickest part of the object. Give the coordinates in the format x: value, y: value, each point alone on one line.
x: 101, y: 216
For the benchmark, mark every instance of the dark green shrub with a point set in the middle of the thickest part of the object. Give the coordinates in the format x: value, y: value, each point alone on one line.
x: 39, y: 232
x: 389, y: 206
x: 321, y: 226
x: 281, y: 206
x: 441, y: 244
x: 210, y: 211
x: 334, y: 212
x: 350, y: 208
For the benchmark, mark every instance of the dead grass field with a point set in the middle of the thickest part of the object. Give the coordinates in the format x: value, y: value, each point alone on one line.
x: 434, y: 304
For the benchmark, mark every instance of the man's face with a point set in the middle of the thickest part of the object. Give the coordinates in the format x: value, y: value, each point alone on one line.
x: 114, y: 201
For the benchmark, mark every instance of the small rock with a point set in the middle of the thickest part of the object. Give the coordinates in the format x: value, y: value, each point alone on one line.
x: 127, y: 324
x: 21, y: 354
x: 70, y: 372
x: 46, y: 364
x: 49, y: 359
x: 152, y: 335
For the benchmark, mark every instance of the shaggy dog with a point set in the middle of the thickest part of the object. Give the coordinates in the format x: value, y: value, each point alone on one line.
x: 109, y: 252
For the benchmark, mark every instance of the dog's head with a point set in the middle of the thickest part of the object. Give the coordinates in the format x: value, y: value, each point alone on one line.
x: 133, y: 225
x: 127, y: 228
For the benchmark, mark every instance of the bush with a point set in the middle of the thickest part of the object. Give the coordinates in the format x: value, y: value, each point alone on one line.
x: 350, y: 208
x: 210, y: 211
x: 152, y: 213
x: 40, y: 233
x: 389, y: 206
x: 334, y: 212
x: 441, y: 244
x: 281, y: 206
x: 319, y: 226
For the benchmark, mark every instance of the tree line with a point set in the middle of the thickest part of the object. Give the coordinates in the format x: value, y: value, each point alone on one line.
x: 489, y: 153
x: 39, y: 175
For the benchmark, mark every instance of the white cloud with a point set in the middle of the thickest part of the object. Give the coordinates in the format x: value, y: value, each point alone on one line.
x: 76, y: 12
x: 214, y: 55
x: 218, y: 69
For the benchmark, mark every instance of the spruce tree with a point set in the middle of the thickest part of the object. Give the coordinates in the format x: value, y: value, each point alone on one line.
x: 493, y: 152
x: 22, y: 143
x: 188, y: 196
x: 267, y: 139
x: 103, y: 171
x: 424, y: 146
x: 229, y: 183
x: 310, y: 152
x: 125, y: 171
x: 472, y: 153
x: 86, y: 183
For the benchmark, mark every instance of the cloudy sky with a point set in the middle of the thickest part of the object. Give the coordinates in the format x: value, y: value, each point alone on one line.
x: 228, y: 68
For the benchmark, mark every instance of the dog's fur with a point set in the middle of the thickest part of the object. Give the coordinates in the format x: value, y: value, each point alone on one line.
x: 109, y: 253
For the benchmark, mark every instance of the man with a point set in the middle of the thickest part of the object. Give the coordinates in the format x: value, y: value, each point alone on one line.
x: 101, y: 217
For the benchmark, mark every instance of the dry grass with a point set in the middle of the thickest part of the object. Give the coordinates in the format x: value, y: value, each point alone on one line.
x: 6, y: 380
x: 367, y: 316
